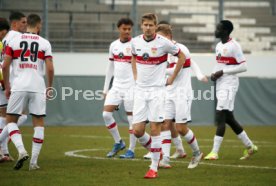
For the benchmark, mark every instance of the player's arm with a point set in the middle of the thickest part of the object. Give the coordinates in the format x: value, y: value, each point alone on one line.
x: 6, y: 74
x: 108, y: 76
x: 49, y: 72
x: 198, y: 72
x: 180, y: 62
x: 242, y: 67
x: 134, y: 69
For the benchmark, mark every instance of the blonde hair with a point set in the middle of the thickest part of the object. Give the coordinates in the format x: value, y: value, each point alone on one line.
x: 150, y: 16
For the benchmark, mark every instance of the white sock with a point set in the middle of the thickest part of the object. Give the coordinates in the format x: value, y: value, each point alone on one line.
x: 22, y: 119
x: 111, y: 126
x: 2, y: 123
x: 166, y: 143
x: 217, y: 142
x: 4, y: 134
x: 38, y: 139
x: 155, y: 152
x: 178, y: 144
x: 16, y: 137
x: 145, y: 140
x: 191, y: 140
x: 4, y: 146
x: 245, y: 139
x: 132, y: 138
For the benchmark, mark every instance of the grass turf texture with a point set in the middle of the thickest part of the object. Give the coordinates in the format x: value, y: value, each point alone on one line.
x: 58, y: 169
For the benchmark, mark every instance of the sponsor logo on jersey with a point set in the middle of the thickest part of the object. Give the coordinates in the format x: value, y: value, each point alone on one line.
x: 121, y: 55
x: 145, y: 56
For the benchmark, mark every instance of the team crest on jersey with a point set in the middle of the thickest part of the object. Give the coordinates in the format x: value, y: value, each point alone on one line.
x: 224, y: 51
x: 154, y: 50
x: 128, y: 50
x: 121, y: 55
x: 145, y: 56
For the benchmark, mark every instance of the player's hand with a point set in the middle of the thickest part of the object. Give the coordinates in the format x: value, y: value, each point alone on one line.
x: 104, y: 95
x: 204, y: 79
x: 216, y: 75
x: 117, y: 107
x: 169, y: 81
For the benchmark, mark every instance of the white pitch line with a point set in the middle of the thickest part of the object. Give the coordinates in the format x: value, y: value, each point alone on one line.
x: 74, y: 154
x: 199, y: 139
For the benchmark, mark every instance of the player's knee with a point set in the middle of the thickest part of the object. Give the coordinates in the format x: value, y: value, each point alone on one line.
x: 182, y: 129
x: 220, y: 117
x: 138, y: 133
x: 108, y: 117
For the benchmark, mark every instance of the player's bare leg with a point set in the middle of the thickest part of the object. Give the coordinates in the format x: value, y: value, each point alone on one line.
x: 192, y: 141
x: 113, y: 129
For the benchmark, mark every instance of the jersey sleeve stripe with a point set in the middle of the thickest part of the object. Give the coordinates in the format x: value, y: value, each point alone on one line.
x: 177, y: 53
x: 9, y: 51
x: 185, y: 65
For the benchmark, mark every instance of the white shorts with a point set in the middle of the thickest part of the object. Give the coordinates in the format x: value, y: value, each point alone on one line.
x: 178, y: 108
x: 149, y: 105
x: 226, y: 98
x: 116, y: 97
x: 35, y: 102
x: 3, y: 99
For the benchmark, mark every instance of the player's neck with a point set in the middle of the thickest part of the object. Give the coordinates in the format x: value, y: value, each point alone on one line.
x: 149, y: 37
x: 32, y: 30
x: 225, y: 39
x: 124, y: 40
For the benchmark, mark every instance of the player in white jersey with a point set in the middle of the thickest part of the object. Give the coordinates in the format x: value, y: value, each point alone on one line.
x: 230, y: 61
x: 18, y: 22
x: 178, y: 105
x: 122, y: 87
x: 4, y: 28
x: 29, y: 54
x: 150, y: 52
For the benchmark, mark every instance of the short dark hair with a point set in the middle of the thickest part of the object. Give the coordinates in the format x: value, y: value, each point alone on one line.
x: 165, y: 29
x: 150, y: 16
x: 124, y: 21
x: 227, y: 25
x: 33, y: 20
x: 16, y: 16
x: 163, y: 22
x: 4, y: 24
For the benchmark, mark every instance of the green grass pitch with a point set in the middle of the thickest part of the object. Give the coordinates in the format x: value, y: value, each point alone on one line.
x: 92, y: 168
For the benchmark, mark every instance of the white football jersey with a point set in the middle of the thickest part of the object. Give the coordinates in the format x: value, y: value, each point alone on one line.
x: 29, y: 52
x: 151, y: 57
x: 7, y: 39
x: 183, y: 79
x: 228, y: 55
x: 120, y: 55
